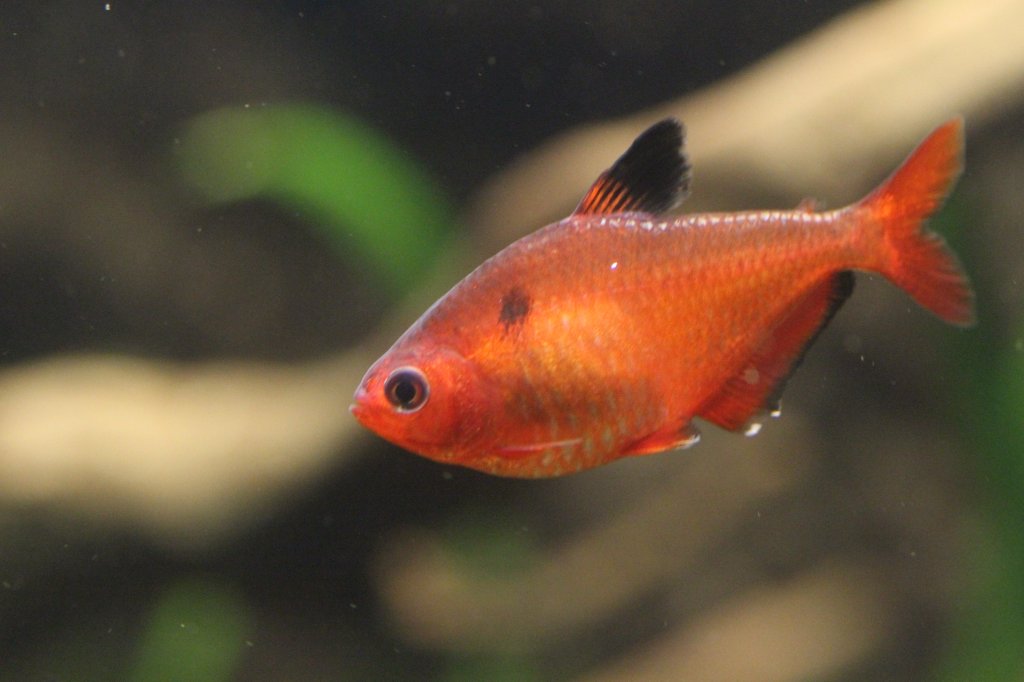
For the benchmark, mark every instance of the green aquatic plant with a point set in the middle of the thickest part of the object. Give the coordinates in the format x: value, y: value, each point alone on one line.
x: 196, y: 631
x: 988, y: 637
x: 374, y: 202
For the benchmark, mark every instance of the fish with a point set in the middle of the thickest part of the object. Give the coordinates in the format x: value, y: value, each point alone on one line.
x: 606, y: 334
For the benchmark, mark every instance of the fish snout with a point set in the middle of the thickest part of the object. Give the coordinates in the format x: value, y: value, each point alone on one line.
x: 360, y: 404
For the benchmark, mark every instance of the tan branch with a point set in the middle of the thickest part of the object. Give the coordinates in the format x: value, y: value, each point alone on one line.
x: 183, y: 452
x: 810, y: 628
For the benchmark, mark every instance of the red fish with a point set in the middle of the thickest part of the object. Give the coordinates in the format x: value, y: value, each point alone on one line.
x: 605, y: 334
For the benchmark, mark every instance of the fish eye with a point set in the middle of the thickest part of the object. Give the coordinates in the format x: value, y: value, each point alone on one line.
x: 406, y: 389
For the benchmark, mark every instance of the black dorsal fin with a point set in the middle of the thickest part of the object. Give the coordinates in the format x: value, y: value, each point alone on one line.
x: 652, y: 176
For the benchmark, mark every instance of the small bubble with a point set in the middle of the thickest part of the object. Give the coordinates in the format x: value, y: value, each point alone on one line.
x: 753, y: 428
x: 614, y: 265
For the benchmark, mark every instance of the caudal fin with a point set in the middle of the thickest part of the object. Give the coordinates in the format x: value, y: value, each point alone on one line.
x: 916, y: 259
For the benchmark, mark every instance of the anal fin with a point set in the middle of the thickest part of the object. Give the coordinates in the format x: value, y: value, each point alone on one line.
x: 759, y: 383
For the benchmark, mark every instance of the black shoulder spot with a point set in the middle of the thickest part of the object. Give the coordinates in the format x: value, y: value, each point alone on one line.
x: 515, y: 306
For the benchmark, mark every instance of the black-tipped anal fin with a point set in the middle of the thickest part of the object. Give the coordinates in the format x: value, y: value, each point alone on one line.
x: 652, y: 176
x: 759, y: 384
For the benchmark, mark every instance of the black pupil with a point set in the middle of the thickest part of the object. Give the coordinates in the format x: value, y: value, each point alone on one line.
x: 406, y: 389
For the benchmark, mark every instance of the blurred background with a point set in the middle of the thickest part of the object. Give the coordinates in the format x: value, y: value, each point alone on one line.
x: 214, y: 216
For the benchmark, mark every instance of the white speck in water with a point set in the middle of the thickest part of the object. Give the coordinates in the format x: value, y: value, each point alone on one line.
x: 753, y: 428
x: 776, y: 411
x: 614, y: 265
x: 106, y: 7
x: 751, y: 375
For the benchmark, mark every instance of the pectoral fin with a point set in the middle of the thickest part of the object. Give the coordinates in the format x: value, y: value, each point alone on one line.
x: 524, y: 449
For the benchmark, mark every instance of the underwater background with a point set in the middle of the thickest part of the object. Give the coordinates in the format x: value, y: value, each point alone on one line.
x: 214, y: 216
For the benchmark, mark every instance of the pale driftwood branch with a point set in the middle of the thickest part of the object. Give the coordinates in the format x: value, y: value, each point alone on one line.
x: 183, y: 452
x: 825, y: 117
x: 809, y: 628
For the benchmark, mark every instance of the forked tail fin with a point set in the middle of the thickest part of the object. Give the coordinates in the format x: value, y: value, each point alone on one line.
x: 916, y: 259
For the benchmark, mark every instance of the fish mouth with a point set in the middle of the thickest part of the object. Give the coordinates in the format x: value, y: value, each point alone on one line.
x: 358, y: 408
